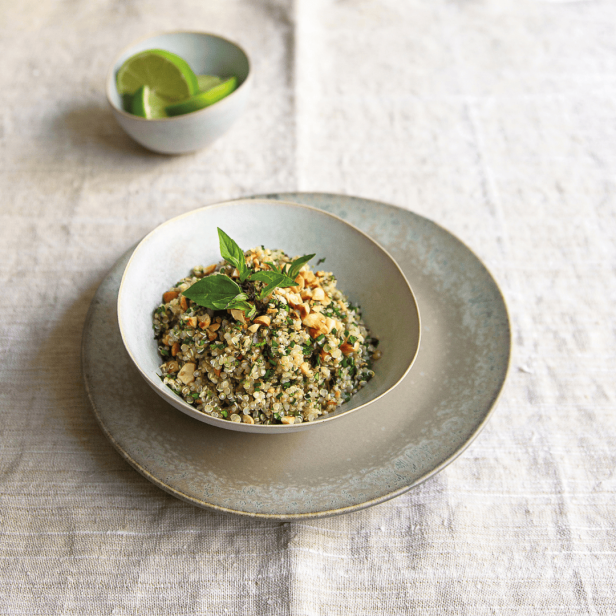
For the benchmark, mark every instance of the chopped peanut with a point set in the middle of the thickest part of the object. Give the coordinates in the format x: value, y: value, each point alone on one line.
x: 346, y: 348
x: 214, y: 327
x: 294, y: 299
x: 318, y: 295
x: 183, y: 303
x: 248, y: 419
x: 299, y: 286
x: 204, y: 321
x: 209, y: 269
x: 308, y: 276
x: 191, y: 321
x: 304, y: 310
x: 254, y: 328
x: 186, y: 373
x: 238, y: 315
x: 169, y: 295
x: 288, y: 420
x: 263, y: 320
x: 314, y: 319
x: 175, y: 349
x: 172, y: 366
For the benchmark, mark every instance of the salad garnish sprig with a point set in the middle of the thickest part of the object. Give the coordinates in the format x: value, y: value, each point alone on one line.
x: 220, y: 292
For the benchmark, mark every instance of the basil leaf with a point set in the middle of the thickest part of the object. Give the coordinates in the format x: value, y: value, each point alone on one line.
x: 216, y: 292
x: 297, y: 264
x: 233, y: 254
x: 267, y: 289
x: 280, y: 280
x: 245, y: 306
x: 271, y: 280
x: 273, y: 266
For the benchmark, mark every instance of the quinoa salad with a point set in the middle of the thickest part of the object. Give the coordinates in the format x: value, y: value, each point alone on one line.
x: 299, y: 354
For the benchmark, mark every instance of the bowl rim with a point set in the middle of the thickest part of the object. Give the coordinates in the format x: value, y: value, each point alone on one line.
x: 110, y: 81
x: 255, y: 428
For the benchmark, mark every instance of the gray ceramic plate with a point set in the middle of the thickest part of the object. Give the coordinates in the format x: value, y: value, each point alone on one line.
x: 360, y: 460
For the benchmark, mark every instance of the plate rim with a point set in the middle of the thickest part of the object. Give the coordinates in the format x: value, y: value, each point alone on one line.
x: 339, y: 510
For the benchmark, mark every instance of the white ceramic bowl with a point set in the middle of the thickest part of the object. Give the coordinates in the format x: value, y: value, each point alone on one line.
x: 206, y: 54
x: 365, y: 272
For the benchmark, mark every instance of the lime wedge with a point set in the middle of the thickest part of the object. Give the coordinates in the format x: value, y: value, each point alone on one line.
x: 147, y: 104
x: 207, y: 82
x: 203, y: 99
x: 165, y: 73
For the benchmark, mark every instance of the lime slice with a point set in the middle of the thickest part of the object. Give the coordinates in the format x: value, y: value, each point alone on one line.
x: 163, y: 72
x: 148, y: 104
x: 203, y: 99
x: 207, y: 82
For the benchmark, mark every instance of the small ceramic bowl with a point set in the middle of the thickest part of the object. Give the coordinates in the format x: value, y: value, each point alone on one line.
x: 365, y: 272
x: 206, y: 54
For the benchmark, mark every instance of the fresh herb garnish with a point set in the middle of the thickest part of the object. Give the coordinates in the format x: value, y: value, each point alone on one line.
x: 272, y: 280
x: 321, y: 261
x: 219, y: 292
x: 233, y: 254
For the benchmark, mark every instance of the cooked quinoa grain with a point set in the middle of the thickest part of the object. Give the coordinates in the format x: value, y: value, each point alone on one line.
x: 305, y: 352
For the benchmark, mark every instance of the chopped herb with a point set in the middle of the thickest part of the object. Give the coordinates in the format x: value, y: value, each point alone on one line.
x: 322, y: 260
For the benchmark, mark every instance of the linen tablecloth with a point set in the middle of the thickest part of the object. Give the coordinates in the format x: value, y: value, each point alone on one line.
x: 494, y: 118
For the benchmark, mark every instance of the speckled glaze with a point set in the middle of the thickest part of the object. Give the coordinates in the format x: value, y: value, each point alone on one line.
x: 360, y: 460
x: 207, y: 54
x: 365, y: 272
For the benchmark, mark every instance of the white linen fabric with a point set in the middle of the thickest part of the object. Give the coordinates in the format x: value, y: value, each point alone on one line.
x: 496, y: 119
